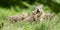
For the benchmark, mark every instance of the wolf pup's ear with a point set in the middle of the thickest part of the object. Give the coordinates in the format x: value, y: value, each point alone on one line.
x: 41, y: 6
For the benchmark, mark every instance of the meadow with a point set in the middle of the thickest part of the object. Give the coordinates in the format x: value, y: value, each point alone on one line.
x: 53, y: 24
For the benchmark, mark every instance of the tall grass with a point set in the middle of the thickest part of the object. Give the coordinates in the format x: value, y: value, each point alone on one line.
x: 52, y: 24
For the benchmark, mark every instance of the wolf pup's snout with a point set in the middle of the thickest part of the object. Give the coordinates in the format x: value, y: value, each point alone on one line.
x: 37, y: 11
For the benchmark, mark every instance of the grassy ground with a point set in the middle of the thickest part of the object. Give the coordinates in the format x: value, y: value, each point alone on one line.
x: 53, y: 24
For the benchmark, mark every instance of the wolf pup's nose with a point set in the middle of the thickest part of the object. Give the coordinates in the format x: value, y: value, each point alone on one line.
x: 37, y: 11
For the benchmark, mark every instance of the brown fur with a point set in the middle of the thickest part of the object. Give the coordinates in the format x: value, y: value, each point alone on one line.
x: 37, y: 14
x: 18, y: 17
x: 46, y: 16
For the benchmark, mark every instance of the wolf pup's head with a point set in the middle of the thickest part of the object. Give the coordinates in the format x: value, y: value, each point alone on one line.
x: 39, y: 8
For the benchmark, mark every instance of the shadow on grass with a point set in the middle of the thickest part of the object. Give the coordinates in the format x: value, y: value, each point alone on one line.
x: 54, y: 6
x: 1, y: 26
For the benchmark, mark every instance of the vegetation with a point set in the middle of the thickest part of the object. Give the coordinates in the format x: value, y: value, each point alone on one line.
x: 13, y: 7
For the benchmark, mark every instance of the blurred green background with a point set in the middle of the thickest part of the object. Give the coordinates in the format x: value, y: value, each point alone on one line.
x: 13, y: 7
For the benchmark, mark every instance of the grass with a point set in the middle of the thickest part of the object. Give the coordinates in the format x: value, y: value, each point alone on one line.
x: 53, y: 24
